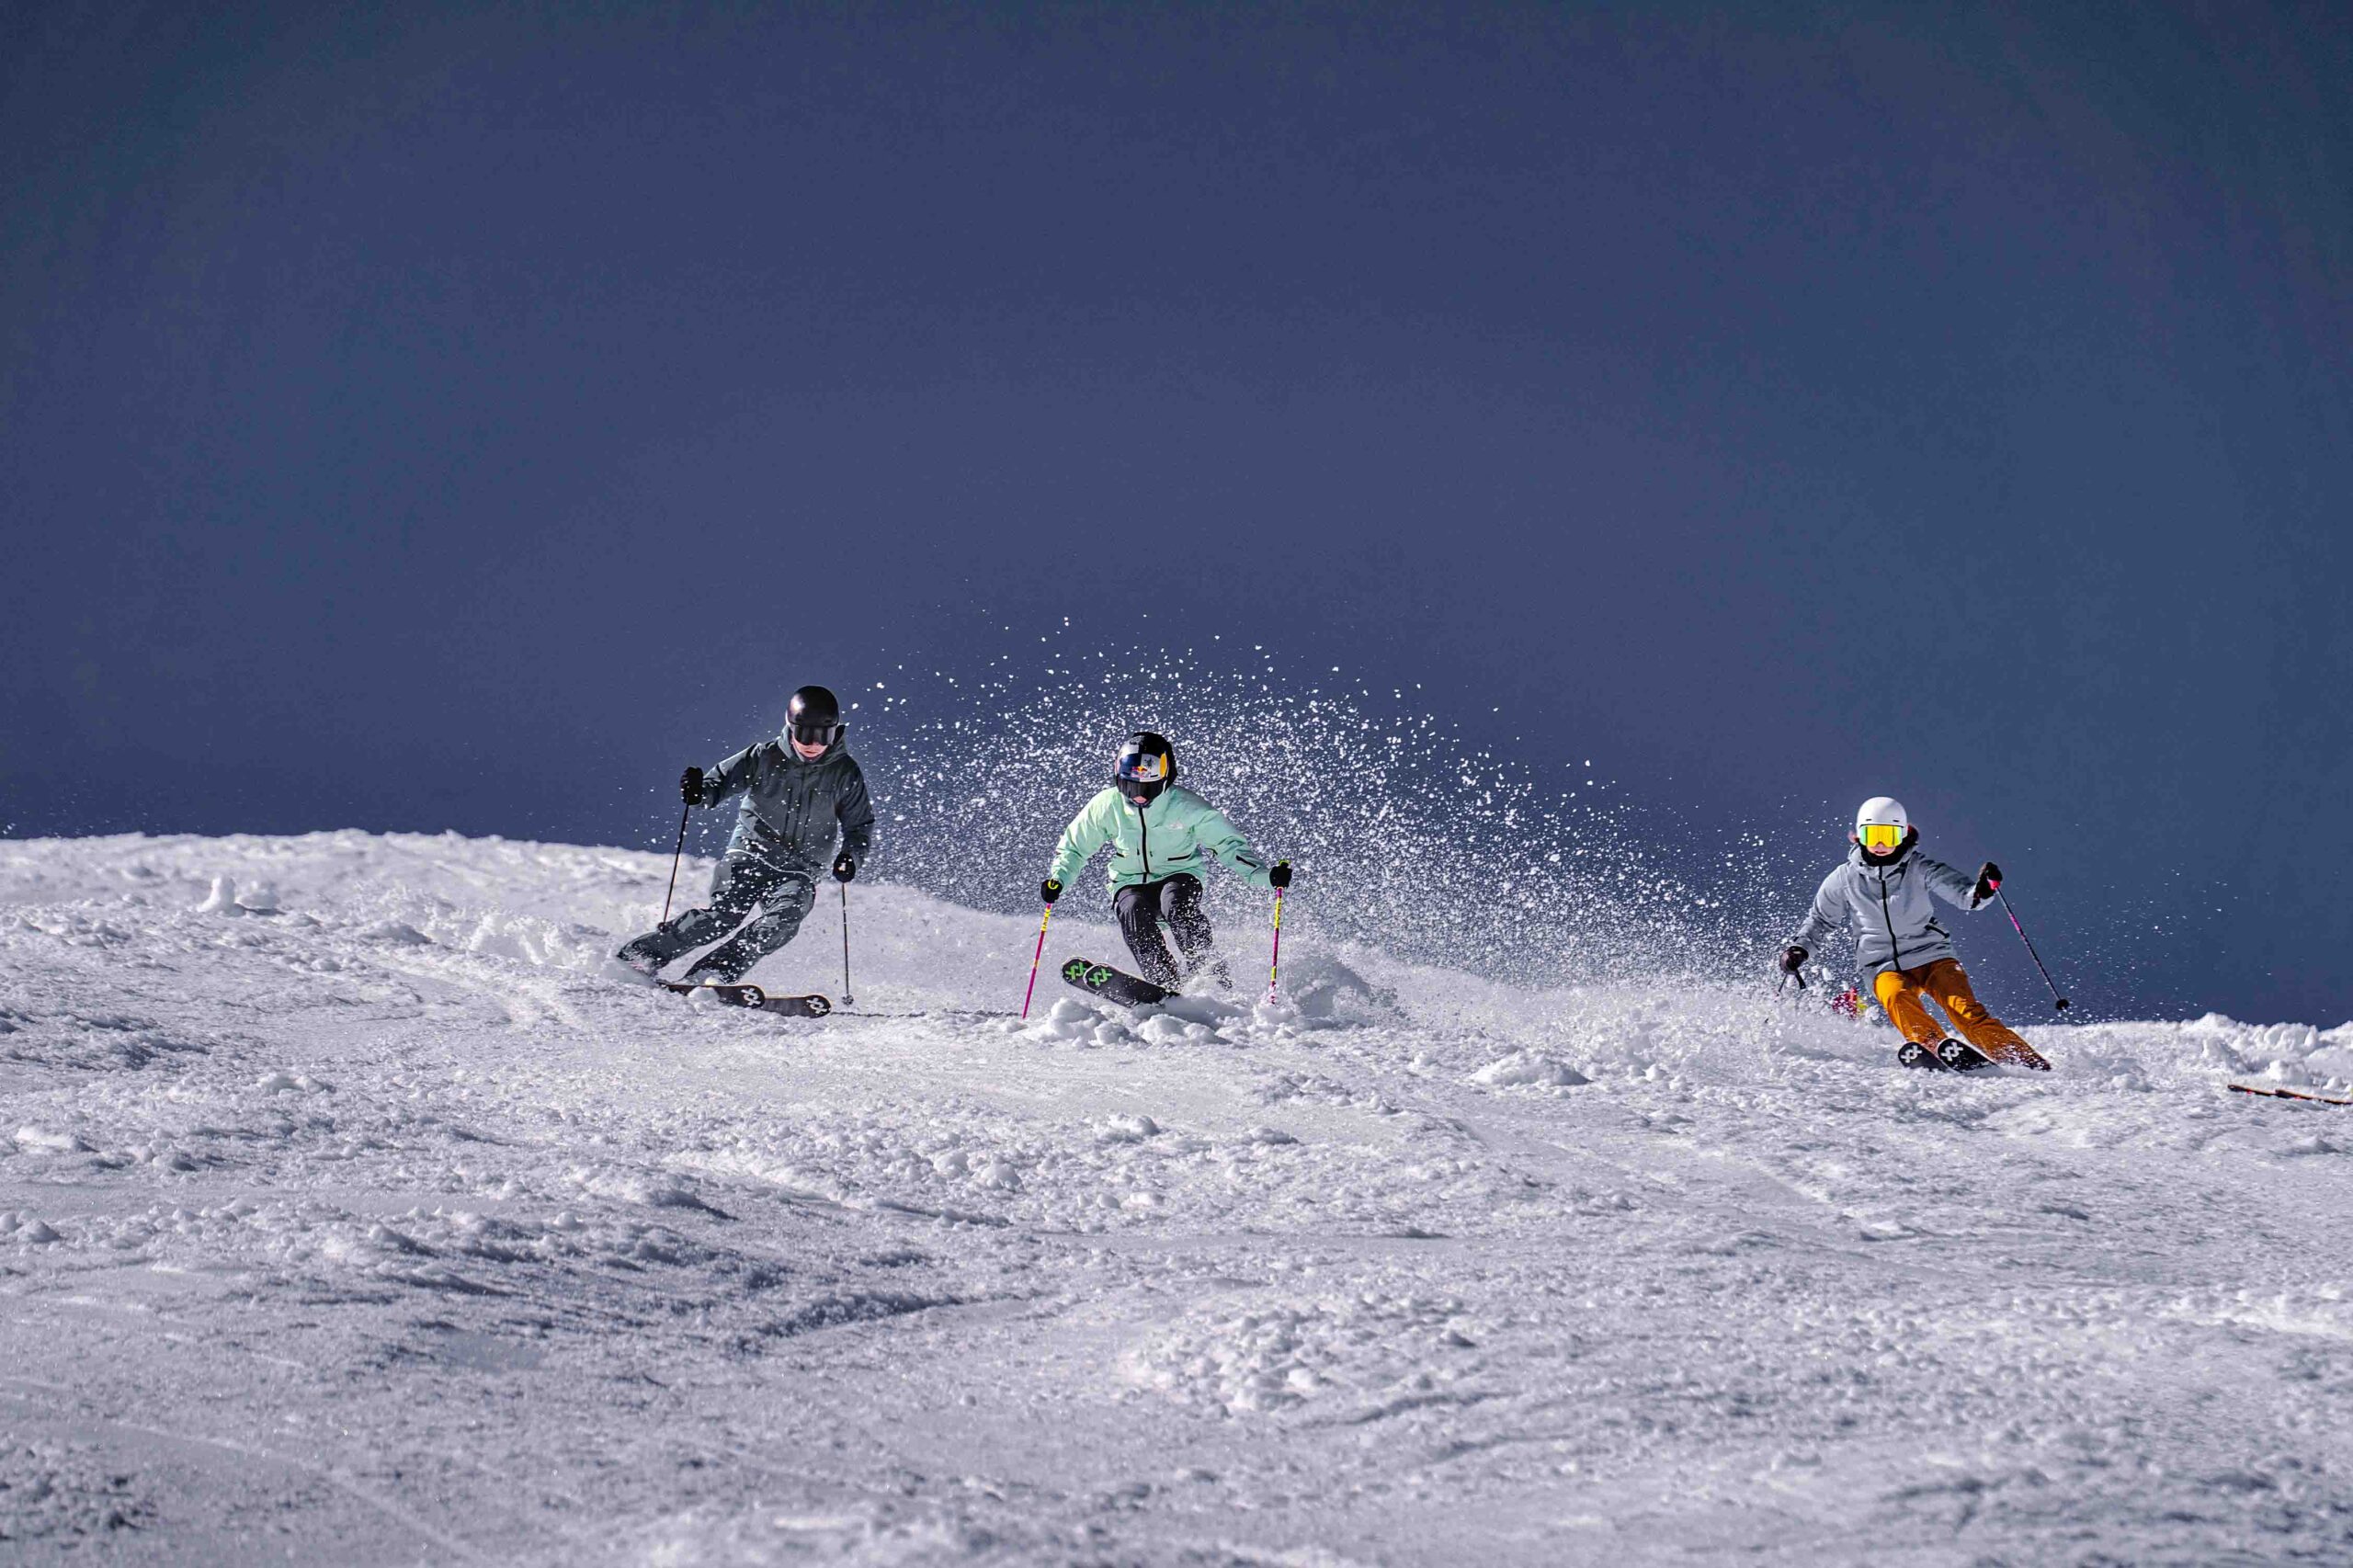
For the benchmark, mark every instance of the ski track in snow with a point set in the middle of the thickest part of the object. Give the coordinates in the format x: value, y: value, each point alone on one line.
x: 349, y: 1211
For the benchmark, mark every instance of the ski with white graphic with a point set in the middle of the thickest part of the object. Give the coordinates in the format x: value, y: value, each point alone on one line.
x: 1944, y: 1056
x: 744, y: 994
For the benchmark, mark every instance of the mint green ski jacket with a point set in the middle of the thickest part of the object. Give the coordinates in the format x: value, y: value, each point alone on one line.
x: 1167, y: 838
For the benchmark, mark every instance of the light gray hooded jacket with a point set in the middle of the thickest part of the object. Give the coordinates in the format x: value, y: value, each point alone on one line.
x: 792, y: 809
x: 1895, y: 924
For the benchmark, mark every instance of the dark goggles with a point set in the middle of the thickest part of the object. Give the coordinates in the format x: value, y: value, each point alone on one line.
x: 812, y: 735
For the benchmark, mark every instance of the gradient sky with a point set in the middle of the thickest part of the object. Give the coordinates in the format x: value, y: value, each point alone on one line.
x: 462, y: 417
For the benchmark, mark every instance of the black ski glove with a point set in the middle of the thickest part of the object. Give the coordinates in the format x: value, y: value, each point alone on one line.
x: 1278, y: 875
x: 844, y: 867
x: 1050, y: 890
x: 1989, y: 877
x: 690, y: 786
x: 1792, y: 957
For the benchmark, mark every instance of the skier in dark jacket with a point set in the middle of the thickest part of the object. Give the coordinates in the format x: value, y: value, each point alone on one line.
x: 800, y: 790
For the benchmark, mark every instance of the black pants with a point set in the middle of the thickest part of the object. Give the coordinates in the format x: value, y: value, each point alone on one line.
x: 785, y: 897
x: 1178, y: 900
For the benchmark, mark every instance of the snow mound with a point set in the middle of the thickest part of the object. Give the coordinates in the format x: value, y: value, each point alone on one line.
x: 1528, y: 1069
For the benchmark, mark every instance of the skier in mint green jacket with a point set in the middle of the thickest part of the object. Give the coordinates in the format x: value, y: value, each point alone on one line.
x: 1159, y: 834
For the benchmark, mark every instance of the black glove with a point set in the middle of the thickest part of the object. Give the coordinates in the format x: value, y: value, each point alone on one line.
x: 1790, y: 958
x: 690, y: 786
x: 844, y: 867
x: 1278, y: 875
x: 1989, y: 877
x: 1050, y: 890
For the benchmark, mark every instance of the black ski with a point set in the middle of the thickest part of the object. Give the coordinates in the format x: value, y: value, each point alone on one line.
x: 1946, y: 1055
x: 1113, y: 985
x: 745, y: 995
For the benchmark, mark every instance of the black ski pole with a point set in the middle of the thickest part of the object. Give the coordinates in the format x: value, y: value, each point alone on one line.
x: 847, y: 1000
x: 681, y: 849
x: 2058, y: 1002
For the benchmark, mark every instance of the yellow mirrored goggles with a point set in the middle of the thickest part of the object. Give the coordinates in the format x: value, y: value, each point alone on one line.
x: 1878, y: 835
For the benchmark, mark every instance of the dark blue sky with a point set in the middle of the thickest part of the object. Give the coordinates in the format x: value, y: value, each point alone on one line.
x: 465, y: 416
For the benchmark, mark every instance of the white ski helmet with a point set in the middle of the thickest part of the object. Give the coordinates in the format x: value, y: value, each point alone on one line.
x: 1884, y: 812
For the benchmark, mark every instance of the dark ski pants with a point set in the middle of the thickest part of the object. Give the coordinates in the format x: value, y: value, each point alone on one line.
x: 1178, y: 900
x: 785, y: 898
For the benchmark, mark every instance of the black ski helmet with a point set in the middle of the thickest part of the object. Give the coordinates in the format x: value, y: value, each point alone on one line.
x: 1147, y: 765
x: 814, y: 717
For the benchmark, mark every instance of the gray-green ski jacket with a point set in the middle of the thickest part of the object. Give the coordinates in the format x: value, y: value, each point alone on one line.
x: 793, y: 809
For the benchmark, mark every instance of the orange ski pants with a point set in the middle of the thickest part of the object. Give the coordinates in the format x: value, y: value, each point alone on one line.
x: 1906, y: 993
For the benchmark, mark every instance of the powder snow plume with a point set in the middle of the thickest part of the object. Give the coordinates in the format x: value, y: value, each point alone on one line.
x: 1407, y: 837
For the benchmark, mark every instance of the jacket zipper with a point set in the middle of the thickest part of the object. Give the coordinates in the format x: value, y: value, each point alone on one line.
x: 1143, y: 826
x: 1895, y: 948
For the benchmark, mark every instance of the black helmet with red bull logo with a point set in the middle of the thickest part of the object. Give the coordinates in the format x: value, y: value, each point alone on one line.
x: 1147, y: 765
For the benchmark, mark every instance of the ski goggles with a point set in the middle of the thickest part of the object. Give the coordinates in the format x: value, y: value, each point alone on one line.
x: 817, y: 734
x: 1877, y: 837
x: 1144, y: 767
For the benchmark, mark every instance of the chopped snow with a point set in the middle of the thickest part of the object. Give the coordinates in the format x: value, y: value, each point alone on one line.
x: 354, y: 1207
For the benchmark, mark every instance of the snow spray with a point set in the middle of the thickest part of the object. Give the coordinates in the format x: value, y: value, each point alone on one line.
x: 1438, y: 849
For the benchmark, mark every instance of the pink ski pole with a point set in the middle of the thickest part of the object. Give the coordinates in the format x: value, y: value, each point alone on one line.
x: 2058, y: 1002
x: 1033, y: 962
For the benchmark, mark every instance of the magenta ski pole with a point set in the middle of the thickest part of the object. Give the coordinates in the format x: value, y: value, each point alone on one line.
x: 1275, y: 966
x: 2058, y: 1002
x: 1034, y: 961
x: 681, y: 849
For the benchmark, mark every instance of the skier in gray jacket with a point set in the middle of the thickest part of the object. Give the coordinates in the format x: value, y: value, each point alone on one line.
x: 1882, y: 893
x: 800, y: 791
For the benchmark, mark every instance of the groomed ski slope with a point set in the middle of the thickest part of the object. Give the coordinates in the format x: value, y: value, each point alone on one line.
x: 365, y: 1220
